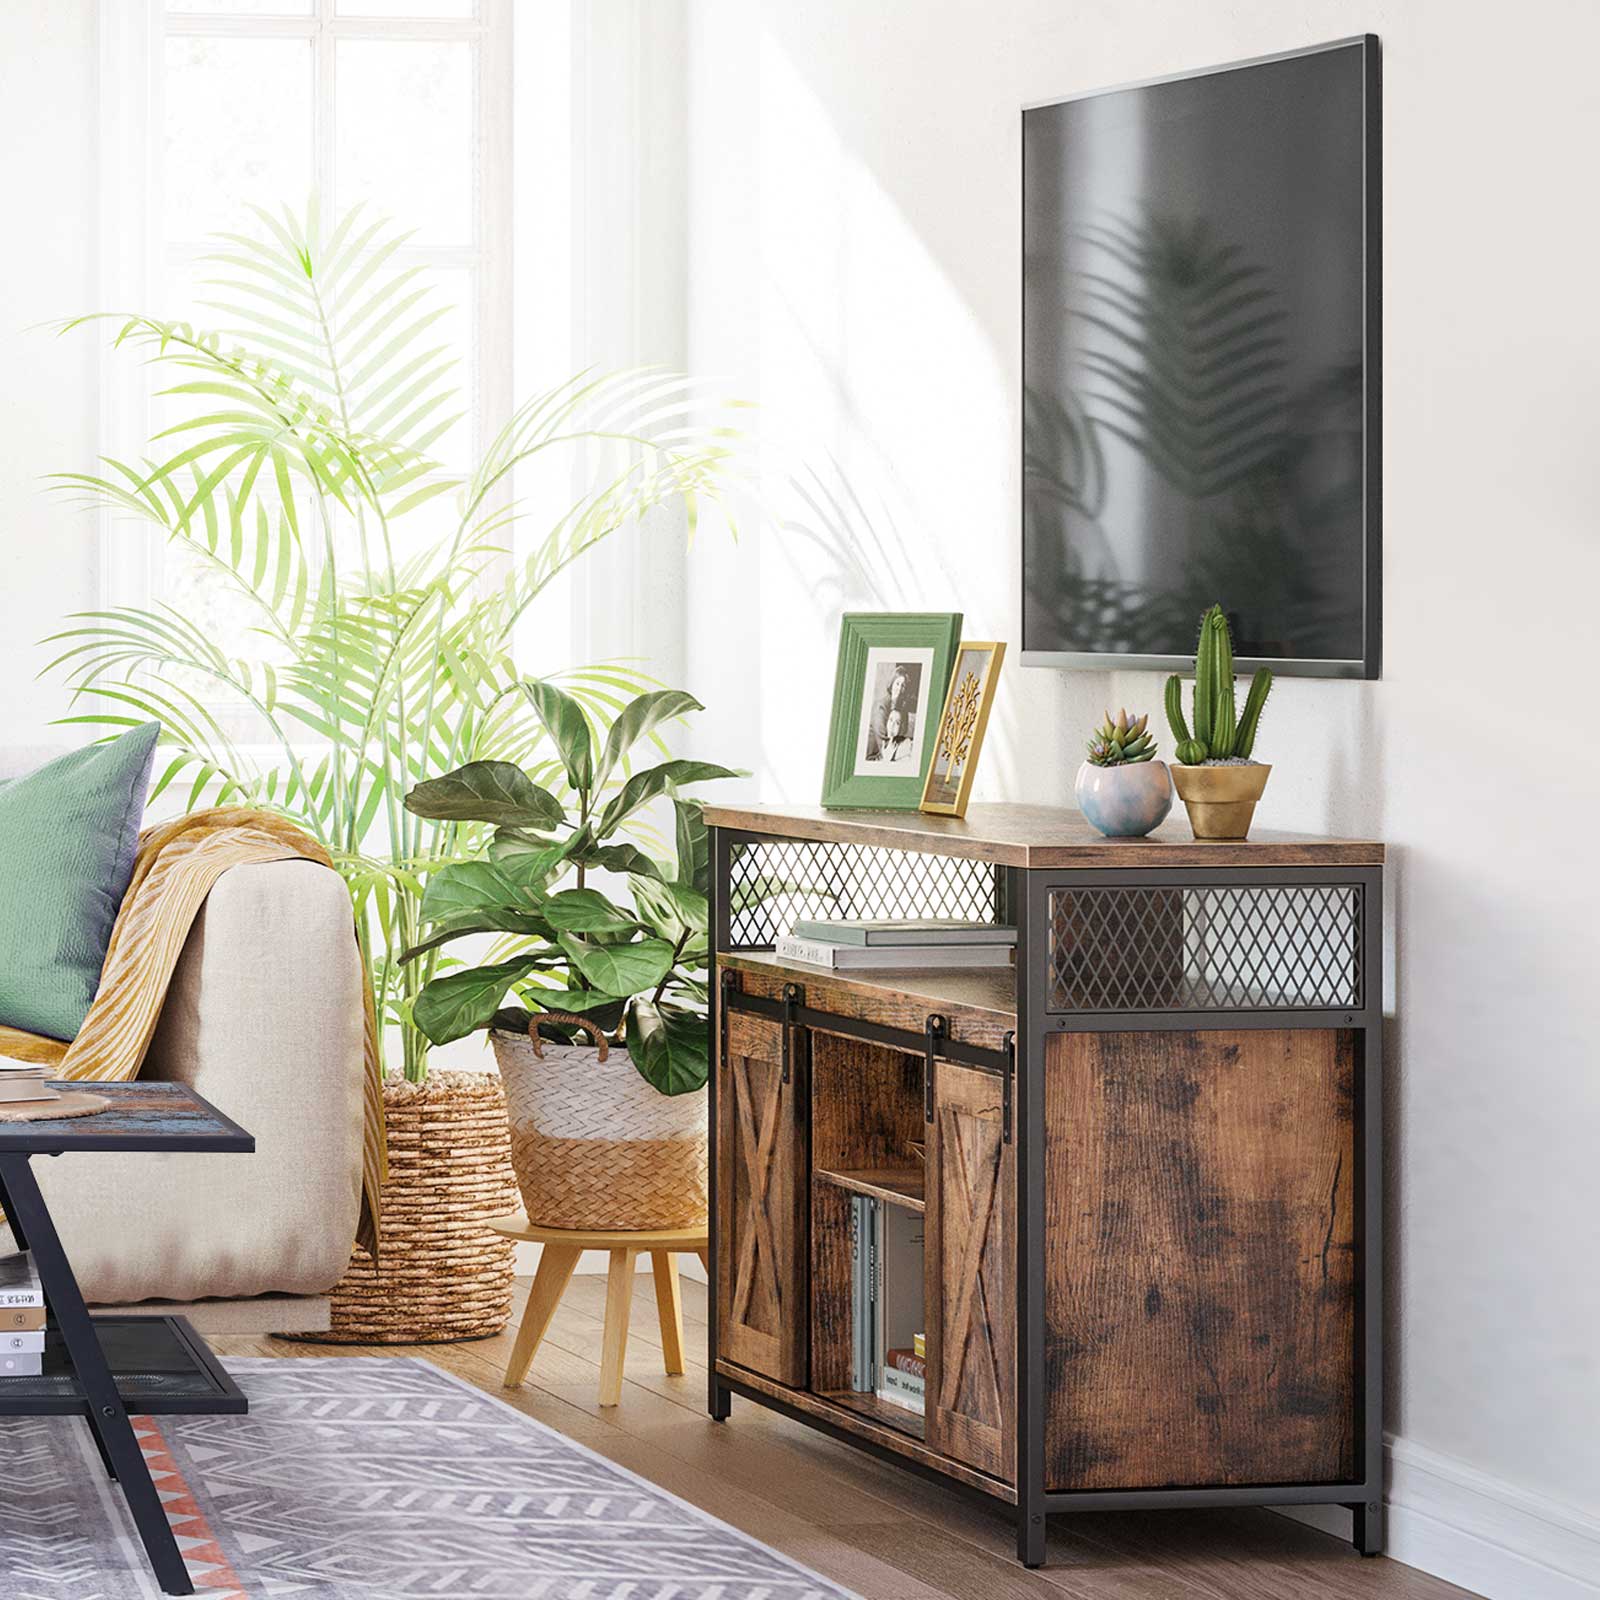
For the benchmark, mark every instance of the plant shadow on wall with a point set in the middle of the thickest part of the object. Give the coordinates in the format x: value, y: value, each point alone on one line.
x: 1183, y: 361
x: 864, y: 560
x: 304, y: 450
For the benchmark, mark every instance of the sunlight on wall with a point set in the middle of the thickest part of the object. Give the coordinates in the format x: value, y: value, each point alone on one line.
x: 877, y: 374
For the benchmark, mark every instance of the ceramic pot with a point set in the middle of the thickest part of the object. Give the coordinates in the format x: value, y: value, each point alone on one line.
x: 1125, y: 802
x: 1220, y: 800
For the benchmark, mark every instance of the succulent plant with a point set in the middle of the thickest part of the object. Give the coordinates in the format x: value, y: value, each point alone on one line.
x: 1122, y: 740
x: 1219, y: 732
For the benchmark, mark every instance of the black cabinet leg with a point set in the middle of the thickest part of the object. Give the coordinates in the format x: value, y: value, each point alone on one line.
x: 1366, y: 1527
x: 1030, y: 1537
x: 719, y: 1400
x: 107, y: 1417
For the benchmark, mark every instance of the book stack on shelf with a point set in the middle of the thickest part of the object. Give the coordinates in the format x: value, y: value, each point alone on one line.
x: 926, y: 943
x: 886, y: 1281
x: 904, y: 1378
x: 22, y: 1317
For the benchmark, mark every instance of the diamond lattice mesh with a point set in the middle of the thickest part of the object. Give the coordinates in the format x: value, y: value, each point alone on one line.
x: 1206, y: 949
x: 774, y: 883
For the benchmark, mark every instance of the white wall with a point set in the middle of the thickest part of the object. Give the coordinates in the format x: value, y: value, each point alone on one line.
x: 48, y: 386
x: 854, y: 266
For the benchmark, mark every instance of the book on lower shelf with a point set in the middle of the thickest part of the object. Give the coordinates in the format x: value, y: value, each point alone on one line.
x: 22, y: 1309
x: 886, y: 1301
x: 848, y: 957
x: 23, y: 1365
x: 903, y: 1389
x: 19, y: 1280
x: 907, y: 1361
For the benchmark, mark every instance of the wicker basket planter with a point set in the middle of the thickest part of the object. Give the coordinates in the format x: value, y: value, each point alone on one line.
x: 594, y: 1146
x: 442, y: 1273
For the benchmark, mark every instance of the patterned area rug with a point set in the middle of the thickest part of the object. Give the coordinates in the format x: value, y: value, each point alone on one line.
x: 368, y: 1479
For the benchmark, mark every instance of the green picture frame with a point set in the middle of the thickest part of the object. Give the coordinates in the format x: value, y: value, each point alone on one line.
x: 888, y: 695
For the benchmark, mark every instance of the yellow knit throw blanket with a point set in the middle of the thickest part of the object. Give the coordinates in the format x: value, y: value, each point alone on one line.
x: 177, y: 865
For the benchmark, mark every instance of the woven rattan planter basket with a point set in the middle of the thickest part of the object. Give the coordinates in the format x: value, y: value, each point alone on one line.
x: 441, y: 1272
x: 594, y: 1146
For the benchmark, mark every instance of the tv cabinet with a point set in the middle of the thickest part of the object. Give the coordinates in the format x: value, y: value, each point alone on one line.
x: 1147, y: 1160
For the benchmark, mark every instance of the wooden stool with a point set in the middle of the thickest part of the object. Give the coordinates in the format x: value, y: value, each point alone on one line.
x: 562, y: 1247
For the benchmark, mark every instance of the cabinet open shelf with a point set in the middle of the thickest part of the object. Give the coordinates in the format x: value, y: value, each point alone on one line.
x: 979, y: 1004
x: 895, y: 1186
x: 160, y: 1365
x: 886, y: 1412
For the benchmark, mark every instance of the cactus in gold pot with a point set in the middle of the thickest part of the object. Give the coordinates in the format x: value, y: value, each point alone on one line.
x: 1219, y: 733
x: 1216, y: 776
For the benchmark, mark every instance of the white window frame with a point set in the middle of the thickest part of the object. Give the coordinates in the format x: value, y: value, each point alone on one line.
x: 134, y: 254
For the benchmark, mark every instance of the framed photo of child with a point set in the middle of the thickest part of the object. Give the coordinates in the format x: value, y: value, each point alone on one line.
x: 959, y: 737
x: 888, y: 689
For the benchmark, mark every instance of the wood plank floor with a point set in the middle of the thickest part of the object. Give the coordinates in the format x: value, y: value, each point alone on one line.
x: 869, y: 1527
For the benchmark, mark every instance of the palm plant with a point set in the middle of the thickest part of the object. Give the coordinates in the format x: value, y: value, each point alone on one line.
x: 313, y: 413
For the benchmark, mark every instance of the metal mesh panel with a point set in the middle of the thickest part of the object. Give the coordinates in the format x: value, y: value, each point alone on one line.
x: 131, y: 1385
x: 774, y: 883
x: 1244, y: 948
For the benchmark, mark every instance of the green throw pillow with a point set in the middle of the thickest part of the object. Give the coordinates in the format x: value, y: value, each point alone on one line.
x: 68, y: 834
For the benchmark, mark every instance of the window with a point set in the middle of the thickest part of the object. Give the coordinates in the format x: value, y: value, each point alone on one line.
x: 225, y: 104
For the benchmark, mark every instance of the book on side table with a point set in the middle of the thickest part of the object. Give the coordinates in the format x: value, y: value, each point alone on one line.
x: 24, y: 1082
x: 22, y: 1316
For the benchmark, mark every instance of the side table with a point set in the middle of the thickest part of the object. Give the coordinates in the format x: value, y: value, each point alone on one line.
x: 105, y: 1367
x: 562, y: 1247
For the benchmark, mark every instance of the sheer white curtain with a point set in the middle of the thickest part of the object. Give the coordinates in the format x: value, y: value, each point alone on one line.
x: 537, y: 151
x: 212, y: 107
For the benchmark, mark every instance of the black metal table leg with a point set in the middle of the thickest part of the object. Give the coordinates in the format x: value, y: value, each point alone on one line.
x: 107, y: 1417
x: 17, y: 1233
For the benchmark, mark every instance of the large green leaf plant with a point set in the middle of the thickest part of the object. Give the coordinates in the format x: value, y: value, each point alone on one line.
x: 306, y: 433
x: 633, y: 969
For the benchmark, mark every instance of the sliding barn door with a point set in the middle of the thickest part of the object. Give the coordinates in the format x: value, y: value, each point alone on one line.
x: 971, y: 1311
x: 762, y: 1177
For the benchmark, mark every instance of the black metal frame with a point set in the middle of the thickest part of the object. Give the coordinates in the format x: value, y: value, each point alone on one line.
x: 1370, y: 664
x: 94, y: 1393
x: 1024, y: 898
x: 101, y: 1405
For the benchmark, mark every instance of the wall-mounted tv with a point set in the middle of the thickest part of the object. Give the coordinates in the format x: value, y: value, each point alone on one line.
x: 1201, y: 367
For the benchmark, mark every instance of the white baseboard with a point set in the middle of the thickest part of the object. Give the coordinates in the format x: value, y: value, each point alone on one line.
x: 1491, y: 1538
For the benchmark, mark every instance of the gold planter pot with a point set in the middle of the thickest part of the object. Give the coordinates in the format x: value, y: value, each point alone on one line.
x: 1221, y: 801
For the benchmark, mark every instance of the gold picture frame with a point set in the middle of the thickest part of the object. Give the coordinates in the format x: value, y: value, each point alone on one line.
x: 973, y: 679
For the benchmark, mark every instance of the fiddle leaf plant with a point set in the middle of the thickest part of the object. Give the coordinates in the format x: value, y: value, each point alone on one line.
x: 576, y: 959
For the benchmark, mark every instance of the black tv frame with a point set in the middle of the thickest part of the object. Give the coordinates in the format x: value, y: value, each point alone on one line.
x: 1369, y: 666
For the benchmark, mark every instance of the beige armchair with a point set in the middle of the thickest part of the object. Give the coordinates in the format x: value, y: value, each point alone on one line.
x: 264, y: 1018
